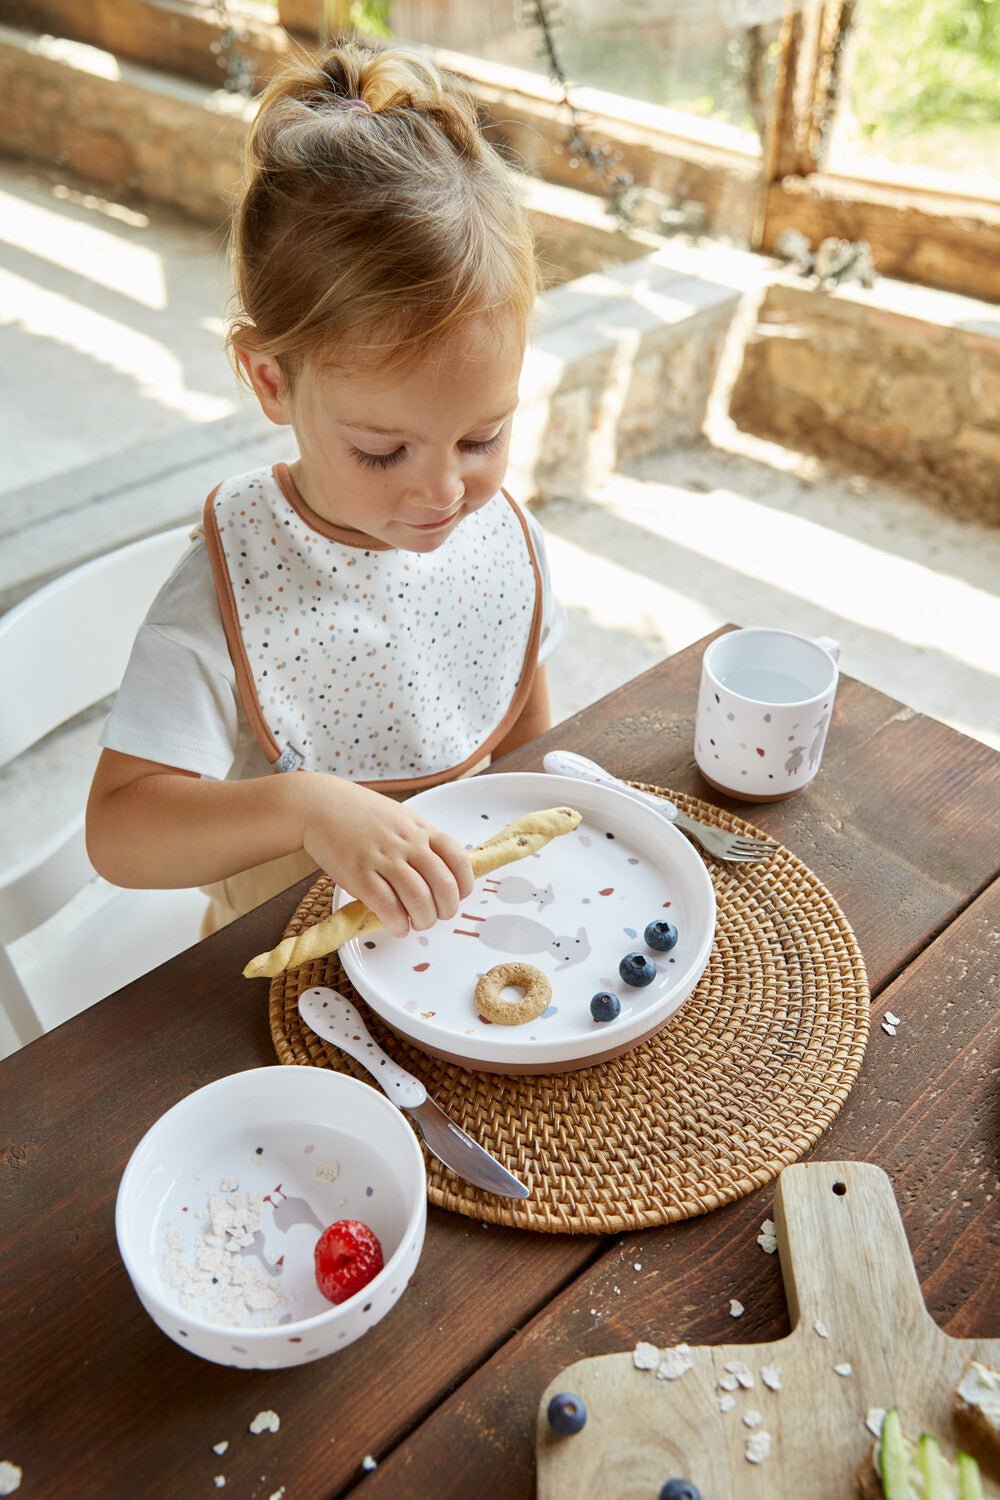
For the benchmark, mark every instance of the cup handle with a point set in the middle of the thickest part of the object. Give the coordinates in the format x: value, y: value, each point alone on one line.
x: 829, y: 644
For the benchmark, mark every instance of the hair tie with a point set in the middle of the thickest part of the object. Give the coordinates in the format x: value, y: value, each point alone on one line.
x: 360, y: 104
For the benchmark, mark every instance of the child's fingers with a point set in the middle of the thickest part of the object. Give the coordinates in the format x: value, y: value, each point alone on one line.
x: 457, y: 860
x: 418, y: 884
x: 381, y: 898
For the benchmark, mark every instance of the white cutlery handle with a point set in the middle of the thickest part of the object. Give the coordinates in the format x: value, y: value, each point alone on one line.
x: 568, y: 763
x: 338, y: 1021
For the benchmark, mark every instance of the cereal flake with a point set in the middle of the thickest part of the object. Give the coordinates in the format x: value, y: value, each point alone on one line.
x: 10, y: 1477
x: 265, y: 1421
x: 874, y: 1419
x: 758, y: 1447
x: 768, y: 1239
x: 742, y: 1373
x: 821, y: 1328
x: 675, y: 1363
x: 328, y: 1172
x: 726, y: 1403
x: 771, y: 1376
x: 752, y: 1419
x: 844, y: 1369
x: 220, y: 1448
x: 736, y: 1308
x: 645, y: 1356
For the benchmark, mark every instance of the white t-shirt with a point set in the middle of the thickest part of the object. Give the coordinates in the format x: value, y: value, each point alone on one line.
x: 179, y: 703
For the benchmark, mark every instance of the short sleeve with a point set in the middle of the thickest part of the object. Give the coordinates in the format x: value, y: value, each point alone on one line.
x: 553, y: 614
x: 178, y: 702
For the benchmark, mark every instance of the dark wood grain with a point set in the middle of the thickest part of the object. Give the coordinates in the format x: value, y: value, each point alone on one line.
x: 924, y: 1108
x: 899, y: 825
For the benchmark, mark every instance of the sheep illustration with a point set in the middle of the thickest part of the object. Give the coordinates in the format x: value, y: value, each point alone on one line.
x: 522, y: 935
x: 514, y: 889
x: 794, y: 761
x: 816, y: 748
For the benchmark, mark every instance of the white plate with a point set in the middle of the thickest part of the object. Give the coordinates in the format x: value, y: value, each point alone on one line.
x: 573, y: 910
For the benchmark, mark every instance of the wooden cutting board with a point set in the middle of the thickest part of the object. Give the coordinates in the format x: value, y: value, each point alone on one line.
x: 846, y: 1265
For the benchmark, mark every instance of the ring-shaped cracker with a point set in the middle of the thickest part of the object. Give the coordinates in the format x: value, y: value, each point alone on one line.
x: 536, y: 987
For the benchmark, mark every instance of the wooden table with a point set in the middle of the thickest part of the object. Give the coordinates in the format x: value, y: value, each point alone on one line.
x: 901, y: 826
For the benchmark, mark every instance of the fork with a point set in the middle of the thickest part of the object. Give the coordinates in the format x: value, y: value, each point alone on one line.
x: 738, y: 848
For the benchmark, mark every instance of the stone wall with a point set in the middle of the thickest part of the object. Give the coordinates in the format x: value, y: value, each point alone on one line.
x: 901, y: 381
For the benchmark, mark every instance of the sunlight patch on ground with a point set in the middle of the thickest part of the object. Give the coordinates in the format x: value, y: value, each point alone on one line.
x: 838, y: 573
x: 158, y: 374
x: 622, y: 601
x: 87, y: 250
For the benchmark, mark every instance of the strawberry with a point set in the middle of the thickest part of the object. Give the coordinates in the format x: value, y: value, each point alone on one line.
x: 348, y: 1255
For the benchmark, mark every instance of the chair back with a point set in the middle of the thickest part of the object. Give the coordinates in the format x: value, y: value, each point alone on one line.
x: 62, y: 650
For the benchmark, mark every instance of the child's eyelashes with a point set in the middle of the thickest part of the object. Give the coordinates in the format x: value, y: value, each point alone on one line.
x: 388, y: 460
x: 378, y: 460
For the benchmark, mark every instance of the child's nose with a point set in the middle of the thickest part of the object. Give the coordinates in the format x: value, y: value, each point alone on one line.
x: 443, y: 486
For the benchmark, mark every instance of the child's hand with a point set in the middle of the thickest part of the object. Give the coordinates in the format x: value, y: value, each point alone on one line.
x: 407, y: 872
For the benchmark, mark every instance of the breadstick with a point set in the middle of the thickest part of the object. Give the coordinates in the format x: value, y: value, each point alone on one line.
x: 523, y: 837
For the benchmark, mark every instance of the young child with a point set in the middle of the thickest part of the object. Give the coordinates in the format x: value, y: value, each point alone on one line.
x: 372, y: 616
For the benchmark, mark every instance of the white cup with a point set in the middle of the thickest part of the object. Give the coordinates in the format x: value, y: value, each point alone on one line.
x: 764, y: 708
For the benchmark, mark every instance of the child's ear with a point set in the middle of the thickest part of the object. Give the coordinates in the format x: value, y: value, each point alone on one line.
x: 264, y: 374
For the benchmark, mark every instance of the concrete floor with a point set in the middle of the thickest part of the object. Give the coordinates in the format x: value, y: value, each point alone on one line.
x: 122, y: 412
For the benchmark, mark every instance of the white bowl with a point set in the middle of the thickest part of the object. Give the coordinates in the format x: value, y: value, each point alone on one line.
x: 573, y: 910
x: 278, y: 1132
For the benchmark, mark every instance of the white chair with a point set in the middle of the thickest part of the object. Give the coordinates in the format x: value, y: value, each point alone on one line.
x: 62, y: 650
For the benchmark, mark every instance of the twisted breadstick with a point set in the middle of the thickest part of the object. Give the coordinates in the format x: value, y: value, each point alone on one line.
x: 524, y: 836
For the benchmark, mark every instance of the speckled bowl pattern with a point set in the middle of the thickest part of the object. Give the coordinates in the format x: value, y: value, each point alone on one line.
x: 310, y: 1147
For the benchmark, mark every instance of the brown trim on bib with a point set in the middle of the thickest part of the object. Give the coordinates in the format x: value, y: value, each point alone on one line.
x: 234, y: 636
x: 305, y: 512
x: 244, y: 676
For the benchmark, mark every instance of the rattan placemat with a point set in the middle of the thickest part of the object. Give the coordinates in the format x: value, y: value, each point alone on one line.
x: 739, y: 1083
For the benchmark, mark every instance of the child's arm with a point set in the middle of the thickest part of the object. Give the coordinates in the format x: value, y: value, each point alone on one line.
x: 534, y: 718
x: 152, y: 826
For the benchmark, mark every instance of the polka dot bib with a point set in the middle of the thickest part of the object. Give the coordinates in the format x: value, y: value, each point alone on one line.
x: 396, y: 669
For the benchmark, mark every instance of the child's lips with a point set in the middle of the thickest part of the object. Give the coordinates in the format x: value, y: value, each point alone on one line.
x: 434, y: 525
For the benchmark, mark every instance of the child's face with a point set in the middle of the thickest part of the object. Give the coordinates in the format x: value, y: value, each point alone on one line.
x: 403, y: 460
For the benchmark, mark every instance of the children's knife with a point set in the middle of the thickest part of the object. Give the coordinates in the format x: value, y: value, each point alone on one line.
x: 336, y: 1020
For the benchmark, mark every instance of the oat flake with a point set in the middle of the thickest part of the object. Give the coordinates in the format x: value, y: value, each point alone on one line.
x: 645, y: 1356
x: 771, y: 1376
x: 891, y: 1030
x: 844, y: 1369
x: 893, y: 1020
x: 821, y: 1329
x: 752, y: 1419
x: 219, y: 1481
x: 736, y: 1309
x: 874, y: 1420
x: 328, y: 1171
x: 726, y: 1403
x: 742, y: 1372
x: 10, y: 1478
x: 265, y: 1421
x: 219, y: 1448
x: 728, y: 1383
x: 368, y: 1463
x: 758, y: 1447
x: 675, y: 1363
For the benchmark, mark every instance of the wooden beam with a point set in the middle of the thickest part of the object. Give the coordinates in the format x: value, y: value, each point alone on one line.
x: 953, y: 244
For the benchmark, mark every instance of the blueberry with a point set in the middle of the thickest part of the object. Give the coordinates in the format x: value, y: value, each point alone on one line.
x: 636, y: 969
x: 567, y: 1415
x: 604, y: 1007
x: 661, y: 935
x: 680, y: 1489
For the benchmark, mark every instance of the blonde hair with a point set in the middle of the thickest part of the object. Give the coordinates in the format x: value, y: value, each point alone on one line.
x: 369, y: 229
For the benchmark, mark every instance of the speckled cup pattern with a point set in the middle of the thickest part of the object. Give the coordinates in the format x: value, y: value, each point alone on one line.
x: 756, y: 750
